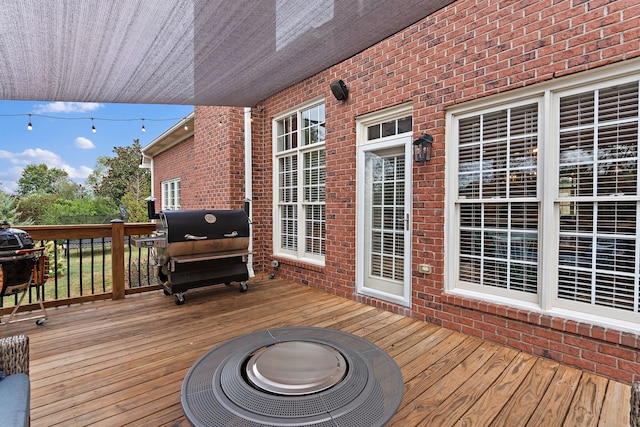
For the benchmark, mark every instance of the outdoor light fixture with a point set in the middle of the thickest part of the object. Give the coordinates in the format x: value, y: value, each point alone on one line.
x: 422, y: 148
x: 29, y: 126
x: 93, y: 128
x: 143, y: 128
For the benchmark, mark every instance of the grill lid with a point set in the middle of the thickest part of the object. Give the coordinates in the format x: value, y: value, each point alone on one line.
x: 204, y: 224
x: 12, y: 239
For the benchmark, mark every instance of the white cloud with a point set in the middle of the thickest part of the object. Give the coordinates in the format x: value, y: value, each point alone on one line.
x: 84, y: 143
x: 67, y: 107
x: 36, y: 156
x: 77, y: 174
x: 9, y: 176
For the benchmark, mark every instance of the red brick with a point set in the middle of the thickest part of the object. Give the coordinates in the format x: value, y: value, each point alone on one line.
x: 462, y: 52
x: 600, y: 358
x: 549, y: 334
x: 580, y: 363
x: 619, y: 352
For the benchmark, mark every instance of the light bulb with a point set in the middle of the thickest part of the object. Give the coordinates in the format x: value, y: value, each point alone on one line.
x: 29, y: 126
x: 93, y: 127
x: 143, y: 128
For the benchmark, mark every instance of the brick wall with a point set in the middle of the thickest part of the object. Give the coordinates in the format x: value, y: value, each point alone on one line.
x: 210, y: 164
x: 468, y: 50
x: 171, y: 164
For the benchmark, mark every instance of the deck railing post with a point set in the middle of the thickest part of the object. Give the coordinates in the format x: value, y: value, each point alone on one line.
x: 117, y: 258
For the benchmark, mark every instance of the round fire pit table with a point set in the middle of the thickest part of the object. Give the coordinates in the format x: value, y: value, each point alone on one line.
x: 293, y: 376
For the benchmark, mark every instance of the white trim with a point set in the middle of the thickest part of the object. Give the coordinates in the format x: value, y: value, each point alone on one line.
x: 391, y: 113
x: 248, y: 183
x: 300, y: 254
x: 547, y: 95
x: 397, y: 141
x: 170, y: 204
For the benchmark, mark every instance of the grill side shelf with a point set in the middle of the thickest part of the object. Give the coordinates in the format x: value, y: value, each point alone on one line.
x: 149, y: 242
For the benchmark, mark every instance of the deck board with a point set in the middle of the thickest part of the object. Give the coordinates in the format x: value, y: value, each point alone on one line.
x: 122, y: 362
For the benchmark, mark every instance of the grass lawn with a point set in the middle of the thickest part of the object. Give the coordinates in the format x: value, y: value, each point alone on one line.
x: 85, y: 273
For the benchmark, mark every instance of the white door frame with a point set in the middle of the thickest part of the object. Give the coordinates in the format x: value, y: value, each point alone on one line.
x: 403, y: 142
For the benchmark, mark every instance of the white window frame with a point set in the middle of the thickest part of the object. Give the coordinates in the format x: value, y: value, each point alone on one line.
x: 545, y: 301
x: 298, y: 153
x: 171, y: 197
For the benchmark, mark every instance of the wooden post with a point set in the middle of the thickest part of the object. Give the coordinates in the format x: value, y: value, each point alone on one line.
x: 635, y: 404
x: 117, y: 258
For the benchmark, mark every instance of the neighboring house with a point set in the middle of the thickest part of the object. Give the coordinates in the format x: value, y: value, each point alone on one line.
x: 522, y: 228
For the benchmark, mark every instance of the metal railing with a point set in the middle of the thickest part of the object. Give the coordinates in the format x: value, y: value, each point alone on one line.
x: 89, y: 263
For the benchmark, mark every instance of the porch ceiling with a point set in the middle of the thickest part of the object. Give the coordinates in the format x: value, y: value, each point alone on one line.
x: 194, y: 52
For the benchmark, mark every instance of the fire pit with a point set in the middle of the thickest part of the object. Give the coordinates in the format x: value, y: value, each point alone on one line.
x: 290, y: 377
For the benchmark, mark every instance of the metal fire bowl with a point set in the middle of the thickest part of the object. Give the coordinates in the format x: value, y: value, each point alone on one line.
x: 218, y: 391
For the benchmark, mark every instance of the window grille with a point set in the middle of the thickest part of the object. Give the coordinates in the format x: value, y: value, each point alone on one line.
x: 300, y: 204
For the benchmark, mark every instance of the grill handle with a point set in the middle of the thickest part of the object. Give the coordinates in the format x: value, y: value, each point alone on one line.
x: 232, y: 234
x: 192, y: 237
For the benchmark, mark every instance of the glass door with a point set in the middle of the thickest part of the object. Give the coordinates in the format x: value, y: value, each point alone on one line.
x: 384, y: 235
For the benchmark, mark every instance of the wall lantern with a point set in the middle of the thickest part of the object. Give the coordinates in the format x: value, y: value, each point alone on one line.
x: 422, y: 148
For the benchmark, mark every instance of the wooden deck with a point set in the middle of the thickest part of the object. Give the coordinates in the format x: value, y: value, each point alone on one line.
x: 117, y: 363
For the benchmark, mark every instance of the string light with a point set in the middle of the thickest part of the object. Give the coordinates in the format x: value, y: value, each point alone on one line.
x: 94, y: 119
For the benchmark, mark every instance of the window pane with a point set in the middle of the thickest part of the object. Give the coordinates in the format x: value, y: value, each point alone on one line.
x: 390, y: 128
x: 405, y: 124
x: 497, y: 163
x: 373, y: 132
x: 598, y: 241
x: 304, y: 192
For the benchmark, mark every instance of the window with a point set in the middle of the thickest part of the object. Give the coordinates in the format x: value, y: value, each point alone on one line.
x: 598, y: 179
x: 171, y: 195
x: 584, y: 212
x: 497, y: 196
x: 300, y: 184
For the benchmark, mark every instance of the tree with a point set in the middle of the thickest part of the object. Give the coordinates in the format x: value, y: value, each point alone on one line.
x: 34, y: 206
x: 9, y: 212
x: 124, y: 182
x: 123, y: 173
x: 40, y: 178
x: 87, y: 210
x: 100, y: 170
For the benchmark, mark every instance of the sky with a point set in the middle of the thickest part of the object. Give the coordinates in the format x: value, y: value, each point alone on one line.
x: 62, y: 137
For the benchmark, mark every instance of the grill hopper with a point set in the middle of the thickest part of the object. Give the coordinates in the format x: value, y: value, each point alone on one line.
x: 195, y: 248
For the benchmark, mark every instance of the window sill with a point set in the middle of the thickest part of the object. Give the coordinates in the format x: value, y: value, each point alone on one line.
x: 304, y: 264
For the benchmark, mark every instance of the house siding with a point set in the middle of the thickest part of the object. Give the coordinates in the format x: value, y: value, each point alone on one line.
x: 465, y: 51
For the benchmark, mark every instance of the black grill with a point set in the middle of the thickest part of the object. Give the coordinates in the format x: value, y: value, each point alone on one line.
x: 17, y: 258
x: 195, y: 248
